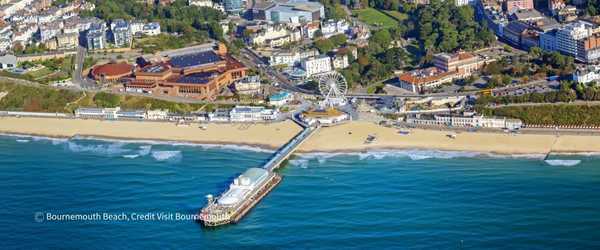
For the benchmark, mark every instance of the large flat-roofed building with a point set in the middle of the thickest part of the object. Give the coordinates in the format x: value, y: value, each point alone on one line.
x: 463, y: 63
x: 199, y: 75
x: 580, y: 40
x: 293, y: 11
x: 424, y: 79
x: 473, y: 121
x: 252, y: 113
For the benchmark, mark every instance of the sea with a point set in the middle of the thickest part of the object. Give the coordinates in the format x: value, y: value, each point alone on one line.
x: 91, y: 193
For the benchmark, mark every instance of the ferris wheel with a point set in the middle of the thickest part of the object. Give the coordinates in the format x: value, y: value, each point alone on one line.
x: 333, y: 87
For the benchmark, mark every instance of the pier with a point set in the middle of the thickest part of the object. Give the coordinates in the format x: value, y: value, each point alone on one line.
x: 288, y: 149
x: 250, y: 187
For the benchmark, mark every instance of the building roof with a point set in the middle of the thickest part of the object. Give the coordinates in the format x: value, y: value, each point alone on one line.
x: 322, y: 113
x: 516, y: 27
x: 421, y: 76
x: 279, y: 96
x: 248, y: 109
x: 195, y: 59
x: 525, y: 15
x: 255, y: 174
x: 112, y: 69
x: 197, y: 78
x: 155, y: 68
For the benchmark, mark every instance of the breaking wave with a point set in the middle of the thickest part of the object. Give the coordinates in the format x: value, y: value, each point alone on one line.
x: 144, y: 150
x: 150, y: 143
x: 414, y: 154
x: 22, y: 140
x: 103, y: 149
x: 166, y: 155
x: 303, y: 163
x: 131, y: 156
x: 566, y: 163
x: 23, y: 137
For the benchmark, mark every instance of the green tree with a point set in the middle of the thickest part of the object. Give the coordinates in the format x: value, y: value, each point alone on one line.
x: 324, y: 45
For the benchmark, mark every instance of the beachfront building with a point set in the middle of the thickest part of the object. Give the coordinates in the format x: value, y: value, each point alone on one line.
x: 219, y: 115
x: 280, y: 98
x: 474, y: 121
x: 425, y: 79
x: 131, y: 114
x: 324, y: 116
x: 157, y: 114
x: 97, y: 113
x: 587, y: 74
x: 252, y: 114
x: 316, y: 65
x: 198, y: 75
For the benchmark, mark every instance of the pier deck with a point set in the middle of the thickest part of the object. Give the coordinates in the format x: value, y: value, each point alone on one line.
x: 214, y: 214
x: 288, y: 149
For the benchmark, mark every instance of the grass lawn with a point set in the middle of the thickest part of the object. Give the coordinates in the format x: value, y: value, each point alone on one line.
x: 374, y: 17
x: 396, y: 14
x: 159, y: 43
x: 40, y: 73
x: 374, y: 88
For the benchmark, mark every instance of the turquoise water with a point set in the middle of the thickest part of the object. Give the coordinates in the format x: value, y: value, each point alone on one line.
x: 402, y: 199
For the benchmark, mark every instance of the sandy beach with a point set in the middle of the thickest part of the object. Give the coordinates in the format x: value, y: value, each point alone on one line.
x: 346, y: 137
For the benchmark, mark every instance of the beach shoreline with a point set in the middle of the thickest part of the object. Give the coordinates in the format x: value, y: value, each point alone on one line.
x: 343, y: 139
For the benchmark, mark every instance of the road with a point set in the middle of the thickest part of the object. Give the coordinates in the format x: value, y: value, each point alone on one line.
x: 253, y: 60
x: 78, y: 79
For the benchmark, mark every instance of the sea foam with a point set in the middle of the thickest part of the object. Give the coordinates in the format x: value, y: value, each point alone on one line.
x: 414, y: 154
x: 566, y: 163
x: 102, y: 149
x: 166, y: 155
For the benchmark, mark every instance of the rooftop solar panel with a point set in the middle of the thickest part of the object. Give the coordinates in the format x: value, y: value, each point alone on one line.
x: 195, y: 59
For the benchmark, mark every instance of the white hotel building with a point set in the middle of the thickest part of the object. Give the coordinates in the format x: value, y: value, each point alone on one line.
x: 252, y: 114
x: 317, y: 65
x: 476, y: 121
